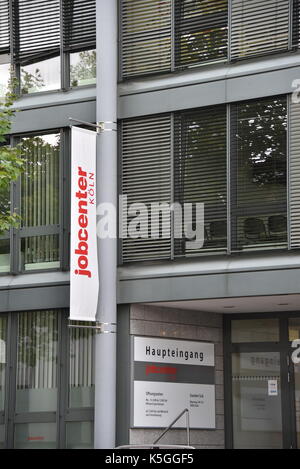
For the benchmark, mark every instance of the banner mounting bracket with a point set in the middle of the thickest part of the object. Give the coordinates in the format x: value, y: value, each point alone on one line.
x: 100, y: 126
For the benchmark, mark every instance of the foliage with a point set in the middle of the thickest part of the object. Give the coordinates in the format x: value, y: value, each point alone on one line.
x: 11, y: 163
x: 85, y: 69
x: 30, y: 81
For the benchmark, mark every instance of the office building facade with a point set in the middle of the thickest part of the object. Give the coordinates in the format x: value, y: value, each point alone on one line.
x: 209, y: 114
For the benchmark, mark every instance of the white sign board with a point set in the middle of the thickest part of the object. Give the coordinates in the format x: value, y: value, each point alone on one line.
x: 185, y: 352
x: 157, y: 404
x: 169, y: 376
x: 84, y: 280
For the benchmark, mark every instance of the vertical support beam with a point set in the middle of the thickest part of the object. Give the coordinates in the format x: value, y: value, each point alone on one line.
x: 105, y: 343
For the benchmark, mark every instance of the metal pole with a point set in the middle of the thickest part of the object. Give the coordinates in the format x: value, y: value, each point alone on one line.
x: 105, y: 343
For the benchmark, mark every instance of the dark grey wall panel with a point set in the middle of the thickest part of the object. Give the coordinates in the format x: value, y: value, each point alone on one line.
x: 257, y: 84
x: 222, y: 285
x: 25, y: 299
x: 50, y: 117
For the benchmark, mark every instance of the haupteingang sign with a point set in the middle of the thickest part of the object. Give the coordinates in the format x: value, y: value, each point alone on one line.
x: 84, y: 277
x: 169, y: 376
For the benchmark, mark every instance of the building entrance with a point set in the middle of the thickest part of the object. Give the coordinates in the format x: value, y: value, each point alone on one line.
x: 262, y: 385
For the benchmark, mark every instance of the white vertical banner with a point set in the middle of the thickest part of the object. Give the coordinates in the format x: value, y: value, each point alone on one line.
x: 84, y: 279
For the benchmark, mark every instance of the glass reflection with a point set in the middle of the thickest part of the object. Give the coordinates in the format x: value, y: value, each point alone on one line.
x: 4, y: 78
x: 37, y: 362
x: 41, y: 76
x: 35, y: 436
x: 260, y: 170
x: 40, y: 200
x: 83, y: 68
x: 80, y: 435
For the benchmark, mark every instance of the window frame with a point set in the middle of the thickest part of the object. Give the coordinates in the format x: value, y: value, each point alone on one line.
x: 230, y: 130
x: 64, y: 55
x: 63, y: 414
x: 63, y: 228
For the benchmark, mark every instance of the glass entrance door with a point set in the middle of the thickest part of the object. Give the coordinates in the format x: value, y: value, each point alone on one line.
x: 263, y: 379
x: 256, y: 393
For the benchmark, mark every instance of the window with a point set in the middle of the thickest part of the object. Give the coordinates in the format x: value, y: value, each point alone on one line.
x: 40, y: 202
x: 150, y: 46
x: 4, y: 27
x: 200, y: 172
x: 200, y: 31
x: 53, y: 43
x: 37, y: 44
x: 296, y: 23
x: 41, y: 198
x: 79, y: 40
x: 164, y: 36
x: 37, y: 360
x: 83, y: 68
x: 5, y: 208
x: 259, y: 27
x: 232, y: 159
x: 4, y: 75
x: 259, y: 174
x: 81, y: 386
x: 146, y: 167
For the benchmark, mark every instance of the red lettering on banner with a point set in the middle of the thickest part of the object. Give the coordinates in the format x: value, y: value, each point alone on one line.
x: 82, y: 250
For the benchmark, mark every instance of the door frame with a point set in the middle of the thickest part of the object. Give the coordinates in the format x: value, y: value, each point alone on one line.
x: 289, y: 436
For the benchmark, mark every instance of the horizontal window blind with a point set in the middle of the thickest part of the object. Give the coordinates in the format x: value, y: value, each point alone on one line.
x: 259, y: 27
x: 81, y: 363
x: 4, y: 27
x: 37, y: 361
x: 146, y: 169
x: 258, y: 180
x: 294, y: 189
x: 146, y: 36
x: 296, y: 23
x: 79, y: 24
x: 36, y: 26
x: 200, y: 31
x: 40, y: 200
x: 200, y: 172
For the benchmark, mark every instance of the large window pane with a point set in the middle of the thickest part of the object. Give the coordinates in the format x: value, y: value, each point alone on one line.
x: 255, y: 330
x: 201, y: 31
x: 4, y: 255
x: 294, y: 329
x: 259, y: 174
x: 200, y: 174
x: 3, y: 339
x: 37, y: 361
x: 83, y: 68
x: 80, y: 435
x: 35, y: 436
x: 2, y: 436
x: 41, y: 76
x: 81, y: 380
x: 257, y: 422
x: 40, y: 201
x: 4, y: 77
x: 40, y: 252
